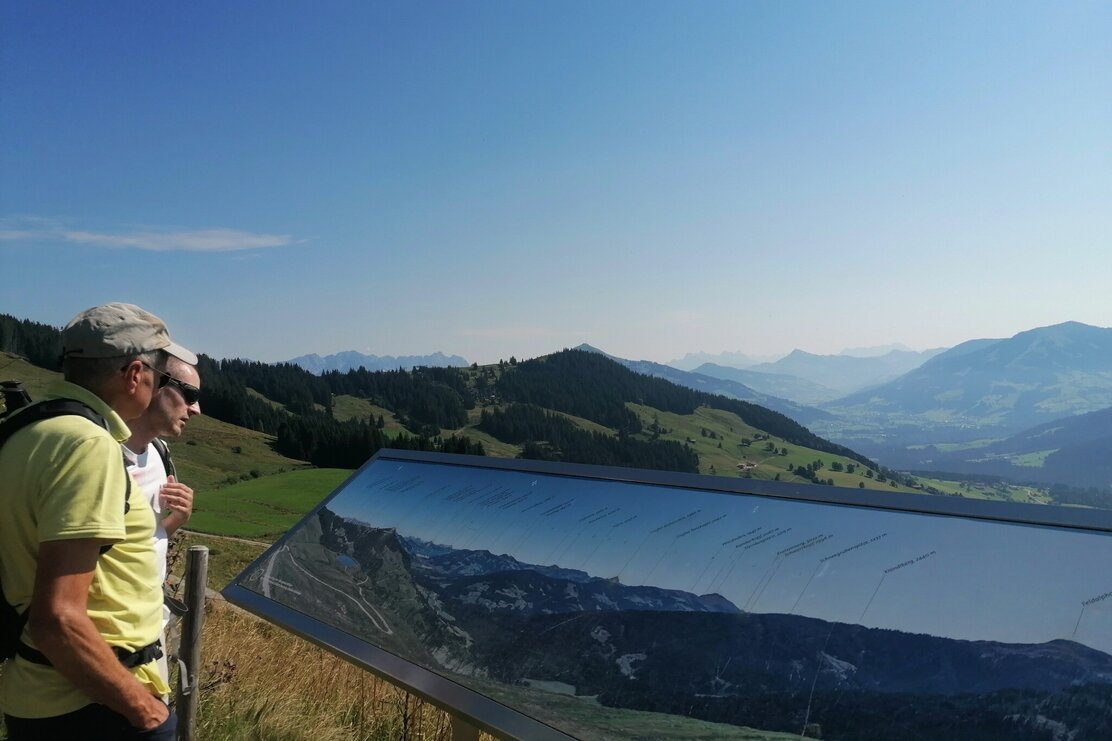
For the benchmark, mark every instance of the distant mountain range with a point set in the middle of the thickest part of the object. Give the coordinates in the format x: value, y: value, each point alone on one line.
x: 713, y: 385
x: 1026, y: 407
x: 805, y: 378
x: 782, y: 385
x: 351, y: 360
x: 994, y: 388
x: 844, y: 374
x: 693, y: 360
x: 1033, y: 408
x: 874, y: 351
x: 464, y: 572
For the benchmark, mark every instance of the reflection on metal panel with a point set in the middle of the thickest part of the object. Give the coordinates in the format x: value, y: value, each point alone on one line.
x: 538, y: 600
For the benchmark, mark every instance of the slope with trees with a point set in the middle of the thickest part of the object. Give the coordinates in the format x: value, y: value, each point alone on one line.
x: 590, y: 385
x: 573, y: 406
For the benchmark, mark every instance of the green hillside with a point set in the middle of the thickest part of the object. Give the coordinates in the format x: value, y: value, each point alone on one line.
x: 727, y: 446
x: 210, y: 454
x: 263, y: 508
x: 34, y: 379
x: 274, y: 439
x: 229, y: 466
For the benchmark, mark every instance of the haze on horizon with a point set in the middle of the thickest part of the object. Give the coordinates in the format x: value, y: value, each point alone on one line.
x: 490, y: 179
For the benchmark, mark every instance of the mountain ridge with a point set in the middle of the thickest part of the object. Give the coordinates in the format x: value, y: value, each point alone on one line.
x: 1005, y: 385
x: 847, y: 373
x: 715, y: 385
x: 352, y: 359
x: 794, y: 388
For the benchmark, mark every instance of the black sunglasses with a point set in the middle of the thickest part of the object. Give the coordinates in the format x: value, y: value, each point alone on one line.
x: 189, y: 393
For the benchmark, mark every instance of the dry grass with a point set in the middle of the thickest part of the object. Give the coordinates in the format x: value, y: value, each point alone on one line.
x: 260, y: 682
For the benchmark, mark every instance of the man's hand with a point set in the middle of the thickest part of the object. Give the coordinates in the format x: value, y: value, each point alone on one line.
x: 177, y: 500
x: 152, y: 715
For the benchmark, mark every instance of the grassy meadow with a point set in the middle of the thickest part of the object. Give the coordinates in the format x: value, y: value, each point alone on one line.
x: 263, y: 508
x: 264, y: 684
x: 999, y: 492
x: 211, y: 454
x: 227, y: 556
x: 34, y: 379
x: 727, y: 446
x: 346, y: 407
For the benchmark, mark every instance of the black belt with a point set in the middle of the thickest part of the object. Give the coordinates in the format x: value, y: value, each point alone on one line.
x: 130, y: 659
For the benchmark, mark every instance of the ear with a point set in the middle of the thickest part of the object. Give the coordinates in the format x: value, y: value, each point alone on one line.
x: 133, y: 376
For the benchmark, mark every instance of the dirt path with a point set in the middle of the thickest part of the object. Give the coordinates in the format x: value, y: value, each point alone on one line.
x: 196, y: 534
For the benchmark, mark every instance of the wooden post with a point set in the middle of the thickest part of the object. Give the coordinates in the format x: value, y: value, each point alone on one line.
x: 463, y: 731
x: 196, y: 580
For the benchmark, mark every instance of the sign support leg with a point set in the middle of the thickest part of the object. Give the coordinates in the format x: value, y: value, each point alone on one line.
x: 463, y: 731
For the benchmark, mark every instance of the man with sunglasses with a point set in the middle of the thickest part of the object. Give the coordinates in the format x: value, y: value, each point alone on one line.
x: 77, y: 549
x: 175, y: 402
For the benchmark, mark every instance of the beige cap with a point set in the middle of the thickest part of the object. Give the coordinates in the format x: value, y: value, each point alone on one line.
x: 117, y: 330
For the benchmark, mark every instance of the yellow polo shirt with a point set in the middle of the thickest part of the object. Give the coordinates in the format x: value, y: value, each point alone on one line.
x: 62, y: 479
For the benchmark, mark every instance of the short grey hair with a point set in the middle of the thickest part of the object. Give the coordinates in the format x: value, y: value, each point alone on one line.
x: 91, y: 373
x: 175, y: 364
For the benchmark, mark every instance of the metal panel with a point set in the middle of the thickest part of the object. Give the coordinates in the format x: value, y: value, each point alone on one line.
x: 544, y: 600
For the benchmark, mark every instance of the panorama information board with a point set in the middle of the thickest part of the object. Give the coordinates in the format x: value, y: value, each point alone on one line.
x: 544, y: 600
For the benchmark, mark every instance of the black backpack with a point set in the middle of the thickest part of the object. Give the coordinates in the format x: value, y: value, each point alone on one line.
x: 11, y: 620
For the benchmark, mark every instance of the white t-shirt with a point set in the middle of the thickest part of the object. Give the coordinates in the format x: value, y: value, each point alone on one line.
x: 149, y: 474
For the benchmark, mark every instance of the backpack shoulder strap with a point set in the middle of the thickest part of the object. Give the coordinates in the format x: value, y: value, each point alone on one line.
x: 46, y: 410
x: 164, y: 453
x: 58, y: 408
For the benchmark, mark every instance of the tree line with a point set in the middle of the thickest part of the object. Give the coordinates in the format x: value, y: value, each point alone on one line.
x: 432, y: 397
x: 286, y: 383
x: 548, y: 436
x: 297, y: 408
x: 305, y: 428
x: 41, y: 344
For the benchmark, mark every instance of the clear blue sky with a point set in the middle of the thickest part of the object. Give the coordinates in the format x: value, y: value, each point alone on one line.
x: 510, y: 178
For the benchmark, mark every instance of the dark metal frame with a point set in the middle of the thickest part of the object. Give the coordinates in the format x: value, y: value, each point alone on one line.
x: 504, y: 722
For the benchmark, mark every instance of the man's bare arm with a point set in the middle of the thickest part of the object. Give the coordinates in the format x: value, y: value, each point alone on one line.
x: 60, y: 626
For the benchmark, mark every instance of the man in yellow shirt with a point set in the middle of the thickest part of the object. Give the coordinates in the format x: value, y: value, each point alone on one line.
x: 76, y: 549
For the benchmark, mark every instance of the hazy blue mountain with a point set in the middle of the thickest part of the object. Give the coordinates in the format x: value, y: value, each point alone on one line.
x: 805, y: 415
x: 1071, y: 451
x: 844, y: 373
x: 1060, y: 434
x: 781, y: 385
x: 530, y: 591
x: 693, y: 360
x: 440, y: 560
x: 350, y: 360
x: 875, y: 351
x: 996, y: 387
